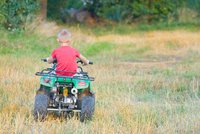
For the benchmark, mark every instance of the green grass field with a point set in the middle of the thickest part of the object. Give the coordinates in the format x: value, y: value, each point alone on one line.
x: 146, y: 81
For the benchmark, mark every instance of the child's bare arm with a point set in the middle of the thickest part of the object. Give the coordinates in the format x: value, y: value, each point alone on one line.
x: 84, y: 60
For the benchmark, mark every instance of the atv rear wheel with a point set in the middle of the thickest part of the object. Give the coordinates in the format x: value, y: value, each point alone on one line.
x: 40, y: 106
x: 87, y: 108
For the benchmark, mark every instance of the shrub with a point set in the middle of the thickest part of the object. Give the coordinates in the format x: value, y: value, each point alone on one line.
x: 129, y: 10
x: 15, y: 13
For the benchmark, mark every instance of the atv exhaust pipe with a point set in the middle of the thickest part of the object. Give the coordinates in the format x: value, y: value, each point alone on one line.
x: 74, y: 91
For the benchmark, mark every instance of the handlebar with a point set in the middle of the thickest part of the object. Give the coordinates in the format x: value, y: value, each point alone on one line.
x: 90, y: 62
x: 79, y: 61
x: 44, y: 59
x: 55, y: 61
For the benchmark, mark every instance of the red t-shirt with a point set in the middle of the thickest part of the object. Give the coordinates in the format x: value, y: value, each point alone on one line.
x: 66, y: 60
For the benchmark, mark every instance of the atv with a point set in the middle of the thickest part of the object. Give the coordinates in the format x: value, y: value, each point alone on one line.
x: 64, y: 95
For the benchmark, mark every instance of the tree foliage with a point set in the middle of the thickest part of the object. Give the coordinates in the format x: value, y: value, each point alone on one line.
x: 131, y: 10
x: 15, y: 13
x: 194, y: 4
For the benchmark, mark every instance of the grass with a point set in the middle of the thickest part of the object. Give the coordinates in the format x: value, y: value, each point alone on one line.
x: 97, y: 48
x: 124, y: 29
x: 145, y: 82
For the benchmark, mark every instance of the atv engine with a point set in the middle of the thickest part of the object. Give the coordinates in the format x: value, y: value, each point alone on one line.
x: 63, y: 96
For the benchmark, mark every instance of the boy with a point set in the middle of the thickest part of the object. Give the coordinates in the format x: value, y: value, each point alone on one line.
x: 66, y: 55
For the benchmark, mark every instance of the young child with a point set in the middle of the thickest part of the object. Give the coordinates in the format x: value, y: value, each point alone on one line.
x: 66, y: 55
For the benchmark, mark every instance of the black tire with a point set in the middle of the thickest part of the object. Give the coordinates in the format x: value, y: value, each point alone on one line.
x: 40, y: 107
x: 79, y: 101
x: 87, y: 108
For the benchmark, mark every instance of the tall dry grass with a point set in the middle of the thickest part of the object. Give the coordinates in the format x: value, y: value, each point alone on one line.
x: 150, y: 94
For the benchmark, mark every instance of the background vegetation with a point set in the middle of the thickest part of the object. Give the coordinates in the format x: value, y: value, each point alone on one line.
x: 15, y: 14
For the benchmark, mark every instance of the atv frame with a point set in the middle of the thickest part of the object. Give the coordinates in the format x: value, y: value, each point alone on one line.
x: 64, y: 95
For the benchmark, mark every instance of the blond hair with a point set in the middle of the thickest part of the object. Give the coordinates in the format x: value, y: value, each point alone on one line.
x: 64, y: 34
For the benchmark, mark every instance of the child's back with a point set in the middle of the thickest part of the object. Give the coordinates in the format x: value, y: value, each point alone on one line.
x: 66, y: 55
x: 66, y: 60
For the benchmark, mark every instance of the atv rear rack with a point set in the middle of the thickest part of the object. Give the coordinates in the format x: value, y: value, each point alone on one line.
x: 51, y: 73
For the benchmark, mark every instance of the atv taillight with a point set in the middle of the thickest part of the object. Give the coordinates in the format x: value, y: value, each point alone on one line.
x: 82, y: 83
x: 47, y: 80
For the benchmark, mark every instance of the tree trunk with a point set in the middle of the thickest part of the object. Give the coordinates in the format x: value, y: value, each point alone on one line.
x: 150, y: 4
x: 43, y: 9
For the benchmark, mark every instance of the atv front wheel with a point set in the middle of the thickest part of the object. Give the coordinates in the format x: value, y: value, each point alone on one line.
x: 40, y: 106
x: 87, y: 108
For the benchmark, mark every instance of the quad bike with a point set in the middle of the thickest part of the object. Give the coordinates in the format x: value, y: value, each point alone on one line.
x: 64, y: 95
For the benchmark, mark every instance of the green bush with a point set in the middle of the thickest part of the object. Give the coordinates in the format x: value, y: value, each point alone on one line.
x: 54, y: 8
x: 2, y: 12
x: 194, y: 4
x: 15, y: 13
x: 131, y: 10
x: 124, y: 11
